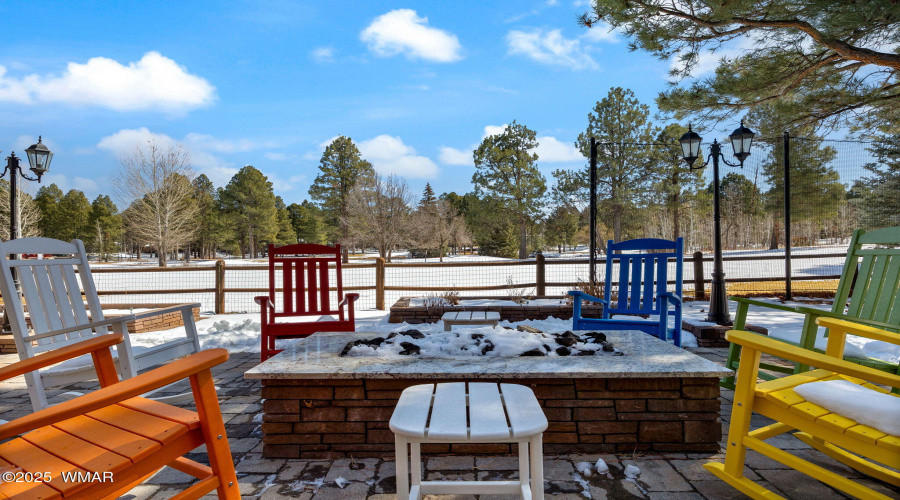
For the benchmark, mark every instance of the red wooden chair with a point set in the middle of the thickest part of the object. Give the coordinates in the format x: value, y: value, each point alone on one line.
x: 303, y: 277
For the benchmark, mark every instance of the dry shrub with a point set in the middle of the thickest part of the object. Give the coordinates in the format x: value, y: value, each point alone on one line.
x: 517, y: 294
x: 595, y: 289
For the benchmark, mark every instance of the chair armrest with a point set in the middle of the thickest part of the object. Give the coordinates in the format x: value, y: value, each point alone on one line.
x: 123, y: 320
x: 165, y: 310
x: 264, y: 301
x: 671, y: 296
x: 765, y: 304
x: 800, y: 355
x: 579, y: 295
x: 818, y: 313
x: 854, y: 328
x: 126, y: 389
x: 350, y: 297
x: 59, y: 355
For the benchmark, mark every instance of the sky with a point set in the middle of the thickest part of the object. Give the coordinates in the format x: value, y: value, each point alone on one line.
x: 417, y: 85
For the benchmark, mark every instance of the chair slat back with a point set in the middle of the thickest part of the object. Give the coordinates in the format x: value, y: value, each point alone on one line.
x: 876, y: 292
x: 51, y: 292
x: 303, y: 273
x: 641, y: 276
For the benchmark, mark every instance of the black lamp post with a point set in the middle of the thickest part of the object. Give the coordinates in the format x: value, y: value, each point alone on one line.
x: 741, y: 140
x: 39, y: 157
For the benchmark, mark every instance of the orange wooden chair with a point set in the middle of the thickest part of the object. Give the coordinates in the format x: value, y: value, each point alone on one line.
x: 101, y: 445
x: 303, y: 277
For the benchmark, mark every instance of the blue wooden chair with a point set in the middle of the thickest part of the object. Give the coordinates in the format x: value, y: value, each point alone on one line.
x: 641, y: 289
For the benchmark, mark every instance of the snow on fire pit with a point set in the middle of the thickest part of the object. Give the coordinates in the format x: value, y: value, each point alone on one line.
x: 482, y: 341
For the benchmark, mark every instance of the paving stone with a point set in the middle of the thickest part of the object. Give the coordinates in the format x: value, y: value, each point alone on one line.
x: 497, y: 463
x: 693, y: 470
x: 632, y: 488
x: 799, y: 486
x: 141, y: 492
x: 449, y: 476
x: 450, y: 463
x: 284, y: 492
x: 352, y: 470
x: 681, y: 495
x: 259, y: 465
x: 292, y: 470
x: 558, y: 470
x: 349, y: 492
x: 168, y: 475
x: 658, y: 475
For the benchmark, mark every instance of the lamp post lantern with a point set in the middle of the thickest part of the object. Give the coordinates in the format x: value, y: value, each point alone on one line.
x: 741, y: 140
x: 39, y: 157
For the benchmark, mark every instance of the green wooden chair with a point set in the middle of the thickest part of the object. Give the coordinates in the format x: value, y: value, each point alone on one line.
x: 875, y: 300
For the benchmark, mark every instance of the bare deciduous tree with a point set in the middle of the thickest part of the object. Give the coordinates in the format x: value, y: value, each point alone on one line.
x: 440, y: 226
x: 156, y: 179
x: 29, y: 213
x: 379, y: 214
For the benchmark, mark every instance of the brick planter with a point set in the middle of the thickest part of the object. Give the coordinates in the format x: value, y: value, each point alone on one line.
x: 401, y: 312
x: 342, y: 418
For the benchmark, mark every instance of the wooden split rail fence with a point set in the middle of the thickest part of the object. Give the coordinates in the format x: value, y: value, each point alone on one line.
x: 225, y: 282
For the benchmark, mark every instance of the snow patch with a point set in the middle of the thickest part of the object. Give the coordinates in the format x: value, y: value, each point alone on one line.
x: 583, y: 468
x: 632, y: 471
x: 601, y: 466
x: 341, y: 482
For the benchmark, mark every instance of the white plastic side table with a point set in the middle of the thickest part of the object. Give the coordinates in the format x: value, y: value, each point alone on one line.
x: 479, y: 413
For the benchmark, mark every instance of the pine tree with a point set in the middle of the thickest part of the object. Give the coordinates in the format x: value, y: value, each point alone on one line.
x: 805, y: 56
x: 506, y: 169
x: 106, y: 226
x: 626, y: 170
x: 249, y: 197
x: 882, y: 198
x: 341, y: 167
x: 677, y: 184
x: 47, y: 199
x: 286, y: 234
x: 210, y: 226
x: 307, y: 223
x: 73, y: 213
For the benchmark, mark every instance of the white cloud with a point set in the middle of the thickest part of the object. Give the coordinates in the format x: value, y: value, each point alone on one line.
x: 276, y: 156
x: 153, y: 83
x: 552, y: 150
x: 322, y: 54
x: 204, y: 150
x: 389, y: 155
x: 549, y: 150
x: 551, y: 48
x: 490, y: 130
x: 125, y: 141
x: 90, y: 187
x: 551, y: 3
x: 402, y: 31
x: 708, y: 61
x: 453, y: 156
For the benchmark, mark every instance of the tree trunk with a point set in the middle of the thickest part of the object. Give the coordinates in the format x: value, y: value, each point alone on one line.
x: 776, y: 233
x: 523, y: 250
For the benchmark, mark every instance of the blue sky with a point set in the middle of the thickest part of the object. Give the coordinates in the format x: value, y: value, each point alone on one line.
x: 415, y: 84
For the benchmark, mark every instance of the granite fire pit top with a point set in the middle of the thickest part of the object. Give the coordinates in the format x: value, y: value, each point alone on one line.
x: 318, y: 357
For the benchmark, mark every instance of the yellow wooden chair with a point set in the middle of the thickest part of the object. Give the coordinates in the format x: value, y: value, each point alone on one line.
x: 864, y: 448
x: 101, y: 445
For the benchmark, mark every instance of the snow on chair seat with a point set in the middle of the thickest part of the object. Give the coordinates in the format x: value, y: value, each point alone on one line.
x: 468, y: 413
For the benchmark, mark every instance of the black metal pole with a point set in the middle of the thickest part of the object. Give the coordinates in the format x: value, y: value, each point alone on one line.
x: 718, y: 302
x: 787, y: 216
x: 13, y: 166
x: 593, y: 212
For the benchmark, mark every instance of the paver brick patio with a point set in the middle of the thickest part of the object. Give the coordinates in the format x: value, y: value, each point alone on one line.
x: 671, y: 476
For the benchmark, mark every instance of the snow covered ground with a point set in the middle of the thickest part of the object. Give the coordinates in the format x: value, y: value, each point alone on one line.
x: 240, y: 332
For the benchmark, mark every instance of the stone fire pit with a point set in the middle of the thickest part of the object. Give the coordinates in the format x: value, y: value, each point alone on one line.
x: 657, y: 397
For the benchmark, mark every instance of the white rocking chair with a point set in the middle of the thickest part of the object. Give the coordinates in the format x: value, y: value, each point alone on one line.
x: 53, y: 300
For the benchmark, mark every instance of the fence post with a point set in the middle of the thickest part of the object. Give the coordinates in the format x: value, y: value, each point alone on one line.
x: 540, y: 275
x: 379, y: 283
x: 699, y: 292
x: 220, y: 286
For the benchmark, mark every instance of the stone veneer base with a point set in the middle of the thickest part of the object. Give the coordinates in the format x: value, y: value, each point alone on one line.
x: 349, y: 418
x: 401, y: 312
